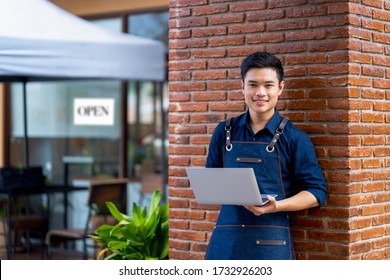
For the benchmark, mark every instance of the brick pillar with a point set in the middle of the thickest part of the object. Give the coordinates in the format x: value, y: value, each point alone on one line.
x: 368, y: 182
x: 337, y: 58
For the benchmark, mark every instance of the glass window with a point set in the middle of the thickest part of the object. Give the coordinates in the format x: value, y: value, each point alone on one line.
x: 148, y: 106
x: 150, y: 25
x: 145, y: 120
x: 52, y: 131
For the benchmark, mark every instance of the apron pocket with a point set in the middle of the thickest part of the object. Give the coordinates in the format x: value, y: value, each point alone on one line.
x: 250, y: 243
x: 271, y: 242
x: 249, y: 160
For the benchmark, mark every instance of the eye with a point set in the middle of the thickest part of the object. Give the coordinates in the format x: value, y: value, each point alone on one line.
x: 252, y: 85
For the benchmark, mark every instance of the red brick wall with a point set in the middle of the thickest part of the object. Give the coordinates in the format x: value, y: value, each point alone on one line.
x: 337, y: 60
x: 368, y: 182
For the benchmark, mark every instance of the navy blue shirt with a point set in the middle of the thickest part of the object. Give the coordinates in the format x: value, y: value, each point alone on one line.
x: 299, y: 165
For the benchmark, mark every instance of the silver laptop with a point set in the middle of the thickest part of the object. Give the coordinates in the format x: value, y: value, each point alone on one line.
x: 235, y: 186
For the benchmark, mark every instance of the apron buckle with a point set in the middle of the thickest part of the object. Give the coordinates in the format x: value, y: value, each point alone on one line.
x: 270, y: 149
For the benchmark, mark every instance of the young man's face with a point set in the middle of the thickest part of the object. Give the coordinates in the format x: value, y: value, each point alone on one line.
x: 261, y: 89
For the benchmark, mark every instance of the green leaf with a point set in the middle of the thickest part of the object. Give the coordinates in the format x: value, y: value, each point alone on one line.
x: 156, y: 197
x: 151, y: 258
x: 114, y: 211
x: 133, y: 256
x: 165, y: 251
x: 144, y: 235
x: 152, y: 228
x: 104, y: 230
x: 116, y: 232
x: 123, y: 223
x: 165, y: 225
x: 129, y: 231
x: 115, y: 245
x: 135, y: 243
x: 142, y: 231
x: 138, y: 216
x: 144, y: 213
x: 114, y: 256
x: 95, y: 238
x: 164, y: 211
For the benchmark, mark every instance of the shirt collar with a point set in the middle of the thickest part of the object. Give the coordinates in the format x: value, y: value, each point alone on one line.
x: 271, y: 126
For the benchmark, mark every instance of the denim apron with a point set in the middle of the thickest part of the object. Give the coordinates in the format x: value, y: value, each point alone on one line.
x: 239, y: 234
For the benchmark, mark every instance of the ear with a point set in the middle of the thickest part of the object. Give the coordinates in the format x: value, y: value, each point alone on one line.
x: 242, y: 86
x: 281, y: 87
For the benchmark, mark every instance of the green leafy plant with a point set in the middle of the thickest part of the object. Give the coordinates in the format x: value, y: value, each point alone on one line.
x: 142, y: 236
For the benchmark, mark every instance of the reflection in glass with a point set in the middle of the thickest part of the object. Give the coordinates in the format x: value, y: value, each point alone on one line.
x: 147, y: 106
x: 52, y: 132
x: 150, y: 25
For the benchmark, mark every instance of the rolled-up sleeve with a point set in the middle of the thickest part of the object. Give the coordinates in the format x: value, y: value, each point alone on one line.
x: 307, y: 172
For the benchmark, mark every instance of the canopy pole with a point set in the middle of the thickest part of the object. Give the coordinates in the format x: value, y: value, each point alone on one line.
x: 164, y: 163
x: 26, y: 151
x: 123, y: 151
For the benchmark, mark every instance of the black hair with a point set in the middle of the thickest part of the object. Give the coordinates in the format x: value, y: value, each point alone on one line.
x: 262, y: 60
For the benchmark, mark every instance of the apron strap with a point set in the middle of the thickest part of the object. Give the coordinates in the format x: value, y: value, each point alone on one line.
x: 271, y: 146
x: 228, y: 129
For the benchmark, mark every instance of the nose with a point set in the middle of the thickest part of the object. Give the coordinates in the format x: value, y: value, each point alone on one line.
x: 260, y: 91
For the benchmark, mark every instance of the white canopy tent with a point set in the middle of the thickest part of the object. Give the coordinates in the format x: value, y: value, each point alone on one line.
x: 41, y: 42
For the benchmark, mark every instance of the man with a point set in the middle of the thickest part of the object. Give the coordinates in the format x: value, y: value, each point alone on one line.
x: 284, y: 162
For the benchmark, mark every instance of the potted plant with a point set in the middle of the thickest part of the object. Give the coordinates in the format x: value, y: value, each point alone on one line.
x: 142, y: 236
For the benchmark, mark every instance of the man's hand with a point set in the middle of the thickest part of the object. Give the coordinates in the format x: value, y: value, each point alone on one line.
x: 269, y: 207
x: 300, y: 201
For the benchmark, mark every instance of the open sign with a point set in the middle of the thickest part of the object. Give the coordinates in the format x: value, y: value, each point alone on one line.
x: 93, y: 111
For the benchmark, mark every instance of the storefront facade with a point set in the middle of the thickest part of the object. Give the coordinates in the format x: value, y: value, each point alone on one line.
x: 137, y: 134
x: 133, y: 144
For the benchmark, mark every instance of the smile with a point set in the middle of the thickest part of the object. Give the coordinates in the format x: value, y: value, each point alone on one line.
x: 260, y: 101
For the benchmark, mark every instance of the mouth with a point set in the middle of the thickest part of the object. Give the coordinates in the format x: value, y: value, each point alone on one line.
x: 260, y: 101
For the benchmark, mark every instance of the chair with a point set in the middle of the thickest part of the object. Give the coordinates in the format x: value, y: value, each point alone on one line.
x: 20, y: 225
x: 100, y: 191
x: 150, y: 180
x: 21, y: 217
